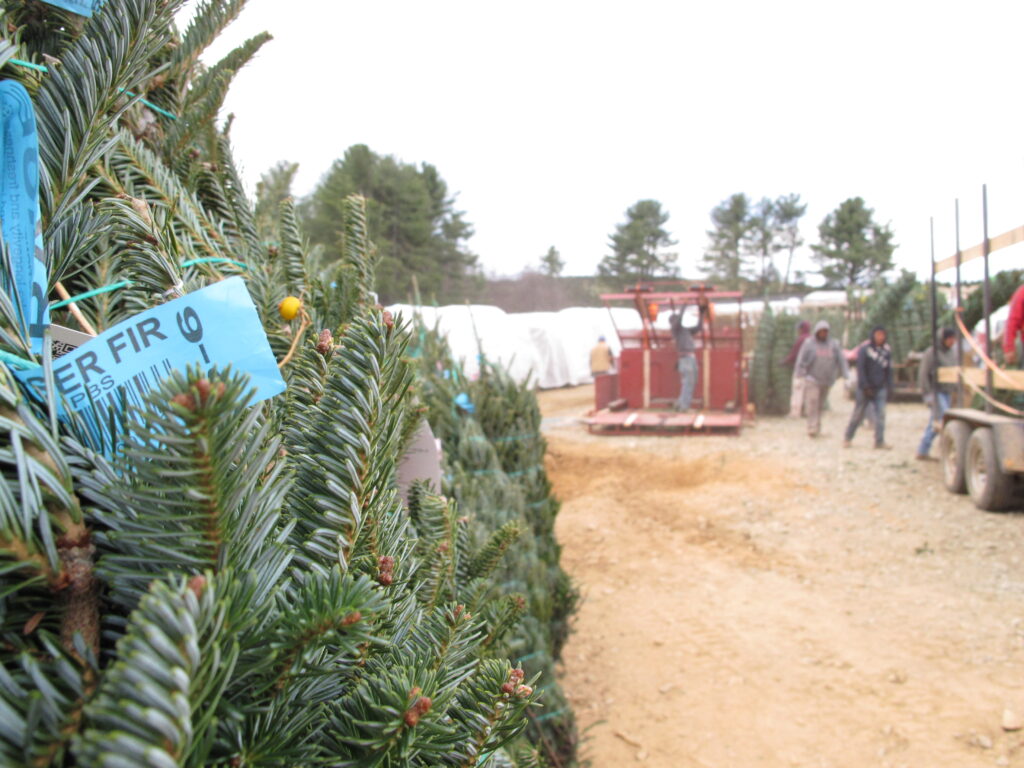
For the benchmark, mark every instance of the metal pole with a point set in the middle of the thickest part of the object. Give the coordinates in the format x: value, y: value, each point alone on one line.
x: 935, y: 328
x: 987, y: 296
x: 959, y: 308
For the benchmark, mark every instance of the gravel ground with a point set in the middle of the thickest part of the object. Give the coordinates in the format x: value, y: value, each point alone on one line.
x: 771, y: 600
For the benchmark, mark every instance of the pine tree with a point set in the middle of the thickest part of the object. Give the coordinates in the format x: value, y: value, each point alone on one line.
x: 232, y: 584
x: 638, y: 245
x: 724, y: 259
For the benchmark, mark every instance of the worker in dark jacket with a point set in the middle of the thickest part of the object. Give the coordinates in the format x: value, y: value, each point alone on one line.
x: 874, y: 383
x: 936, y: 395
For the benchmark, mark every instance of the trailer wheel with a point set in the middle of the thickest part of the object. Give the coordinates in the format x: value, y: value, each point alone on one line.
x: 952, y: 451
x: 990, y: 488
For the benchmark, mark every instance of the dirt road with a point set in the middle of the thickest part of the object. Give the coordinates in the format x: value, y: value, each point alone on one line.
x: 769, y: 600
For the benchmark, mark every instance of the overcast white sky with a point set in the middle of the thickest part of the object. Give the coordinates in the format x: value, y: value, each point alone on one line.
x: 549, y: 119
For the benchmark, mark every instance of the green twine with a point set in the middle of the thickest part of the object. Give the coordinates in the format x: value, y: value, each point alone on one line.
x: 150, y: 104
x: 506, y: 439
x: 521, y: 472
x: 16, y: 362
x: 29, y: 64
x: 215, y: 260
x: 517, y: 473
x: 549, y: 715
x: 90, y: 294
x: 125, y: 283
x: 45, y: 69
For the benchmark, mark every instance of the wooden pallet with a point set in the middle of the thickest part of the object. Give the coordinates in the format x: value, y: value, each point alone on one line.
x: 662, y: 422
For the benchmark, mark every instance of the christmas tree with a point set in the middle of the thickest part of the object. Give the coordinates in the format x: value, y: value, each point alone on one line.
x: 193, y: 577
x: 494, y: 465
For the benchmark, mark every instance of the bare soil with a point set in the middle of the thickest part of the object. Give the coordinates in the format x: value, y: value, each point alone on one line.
x: 771, y: 600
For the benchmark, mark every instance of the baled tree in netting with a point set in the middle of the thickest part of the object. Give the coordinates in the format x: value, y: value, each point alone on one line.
x: 493, y: 464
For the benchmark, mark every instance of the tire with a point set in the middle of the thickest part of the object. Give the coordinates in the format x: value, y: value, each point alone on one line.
x: 952, y: 450
x: 991, y: 489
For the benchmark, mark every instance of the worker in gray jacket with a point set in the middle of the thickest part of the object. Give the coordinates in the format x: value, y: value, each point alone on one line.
x: 937, y: 396
x: 687, y: 357
x: 819, y: 363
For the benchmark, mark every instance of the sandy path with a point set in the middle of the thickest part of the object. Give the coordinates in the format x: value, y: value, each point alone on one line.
x: 772, y: 601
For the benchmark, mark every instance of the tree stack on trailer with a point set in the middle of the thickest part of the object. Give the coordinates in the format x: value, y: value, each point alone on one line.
x: 982, y: 449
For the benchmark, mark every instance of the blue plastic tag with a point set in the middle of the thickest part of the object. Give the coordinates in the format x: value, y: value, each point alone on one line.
x: 215, y: 326
x: 19, y: 207
x: 81, y: 7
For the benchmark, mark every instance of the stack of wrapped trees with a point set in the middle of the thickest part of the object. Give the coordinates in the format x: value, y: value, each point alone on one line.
x: 493, y: 464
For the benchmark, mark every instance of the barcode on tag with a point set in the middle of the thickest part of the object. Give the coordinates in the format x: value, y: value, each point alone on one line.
x: 131, y: 394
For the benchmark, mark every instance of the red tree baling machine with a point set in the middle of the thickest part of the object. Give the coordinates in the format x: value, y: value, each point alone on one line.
x: 638, y: 396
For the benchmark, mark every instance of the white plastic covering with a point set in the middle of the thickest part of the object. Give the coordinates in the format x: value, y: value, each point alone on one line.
x: 550, y: 349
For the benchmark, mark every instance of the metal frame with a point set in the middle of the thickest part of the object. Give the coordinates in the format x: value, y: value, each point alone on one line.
x: 647, y: 420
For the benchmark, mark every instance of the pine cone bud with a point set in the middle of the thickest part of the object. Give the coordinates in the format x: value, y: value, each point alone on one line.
x: 419, y: 708
x: 185, y: 401
x: 508, y: 688
x: 197, y: 584
x: 386, y: 563
x: 325, y: 343
x: 204, y: 388
x: 385, y: 579
x: 516, y: 675
x: 523, y: 691
x: 351, y: 619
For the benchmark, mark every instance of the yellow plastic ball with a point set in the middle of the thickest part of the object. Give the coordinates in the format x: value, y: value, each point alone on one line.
x: 289, y: 307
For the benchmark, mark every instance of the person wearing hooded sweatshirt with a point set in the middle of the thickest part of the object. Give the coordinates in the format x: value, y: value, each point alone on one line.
x: 819, y: 364
x: 936, y: 395
x: 796, y: 397
x: 1014, y: 327
x: 874, y: 383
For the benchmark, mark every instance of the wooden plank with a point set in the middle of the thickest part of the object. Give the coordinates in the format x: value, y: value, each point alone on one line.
x: 1002, y: 380
x: 1005, y: 240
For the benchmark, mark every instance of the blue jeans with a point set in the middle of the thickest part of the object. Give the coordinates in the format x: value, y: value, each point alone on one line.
x: 857, y: 417
x: 930, y: 433
x: 687, y: 381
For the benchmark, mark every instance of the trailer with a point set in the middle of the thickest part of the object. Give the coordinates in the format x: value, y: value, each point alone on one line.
x: 638, y: 396
x: 981, y: 449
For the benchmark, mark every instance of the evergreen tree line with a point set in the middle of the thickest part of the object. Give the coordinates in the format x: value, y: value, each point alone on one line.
x: 212, y: 582
x: 419, y: 236
x: 422, y: 240
x: 751, y: 245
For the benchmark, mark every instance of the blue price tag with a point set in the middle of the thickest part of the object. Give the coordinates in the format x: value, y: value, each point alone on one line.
x: 19, y: 207
x: 217, y: 325
x: 81, y: 7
